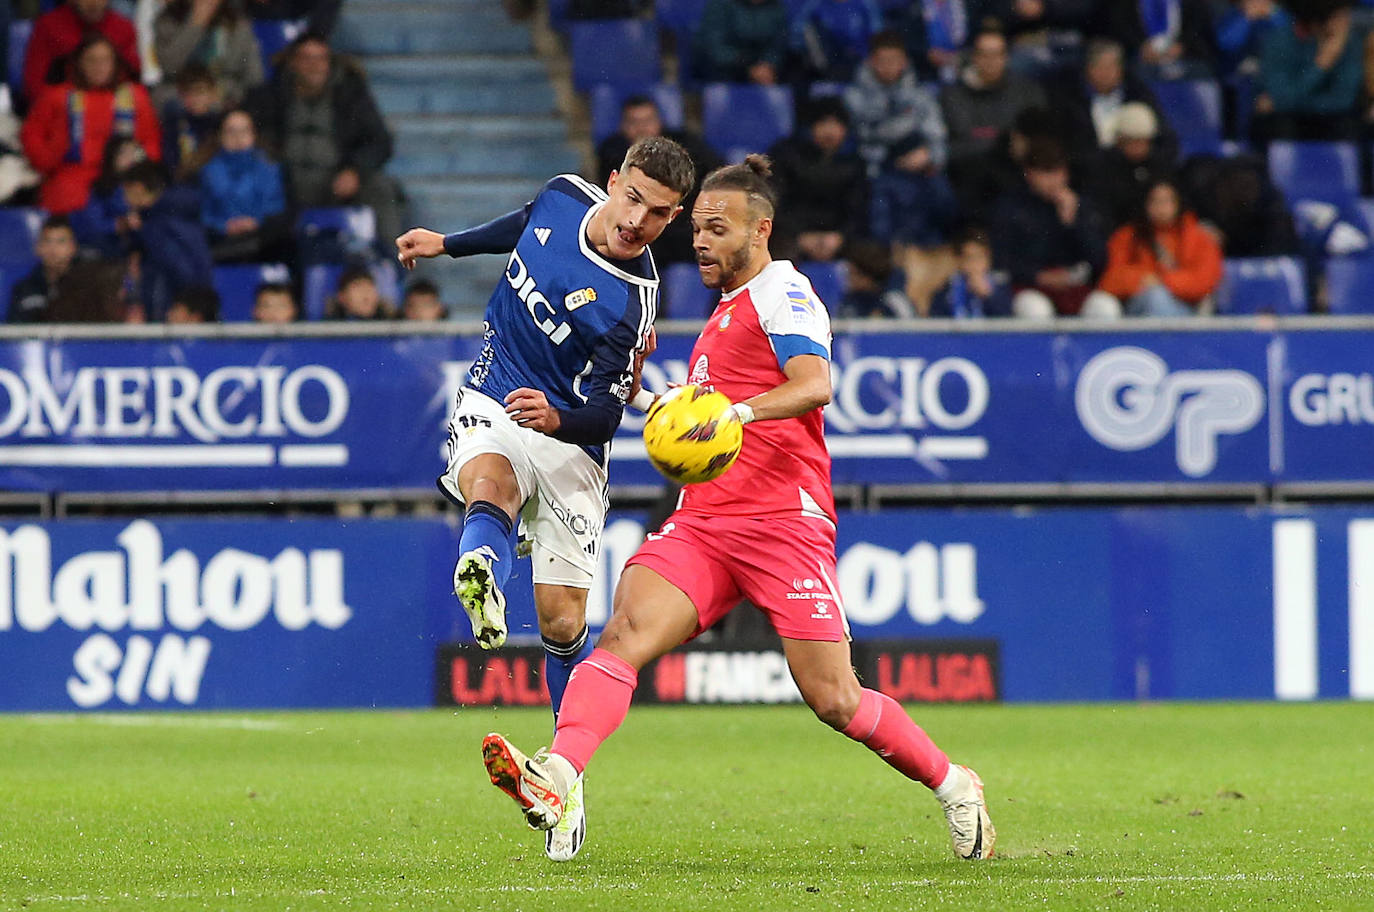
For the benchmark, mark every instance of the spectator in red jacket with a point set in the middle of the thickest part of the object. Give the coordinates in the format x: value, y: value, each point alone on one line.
x: 1165, y: 264
x: 58, y: 33
x: 65, y: 134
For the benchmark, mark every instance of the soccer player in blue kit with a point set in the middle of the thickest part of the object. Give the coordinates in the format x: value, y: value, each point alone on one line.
x: 566, y: 331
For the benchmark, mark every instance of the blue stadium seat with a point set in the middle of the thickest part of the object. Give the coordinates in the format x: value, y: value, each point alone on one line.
x: 684, y: 297
x: 823, y: 89
x: 333, y: 234
x: 679, y: 18
x: 1350, y: 285
x: 1193, y: 109
x: 273, y: 36
x: 621, y: 52
x: 1245, y: 89
x: 558, y: 14
x: 679, y: 15
x: 1276, y: 285
x: 238, y: 284
x: 20, y: 30
x: 1327, y: 171
x: 739, y: 119
x: 11, y: 274
x: 321, y: 280
x: 19, y: 229
x: 829, y: 281
x: 319, y: 284
x: 606, y: 100
x: 1366, y: 207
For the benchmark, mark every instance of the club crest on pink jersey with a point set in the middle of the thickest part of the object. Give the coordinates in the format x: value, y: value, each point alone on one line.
x: 701, y: 373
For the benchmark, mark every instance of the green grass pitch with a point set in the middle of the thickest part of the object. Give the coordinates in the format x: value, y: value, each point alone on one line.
x: 1171, y: 807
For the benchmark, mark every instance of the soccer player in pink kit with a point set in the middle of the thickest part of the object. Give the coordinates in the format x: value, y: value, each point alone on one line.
x: 765, y: 530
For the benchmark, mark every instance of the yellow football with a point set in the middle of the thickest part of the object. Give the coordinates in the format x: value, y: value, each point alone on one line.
x: 692, y: 435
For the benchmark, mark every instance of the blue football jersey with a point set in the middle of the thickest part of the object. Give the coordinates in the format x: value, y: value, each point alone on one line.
x: 564, y: 319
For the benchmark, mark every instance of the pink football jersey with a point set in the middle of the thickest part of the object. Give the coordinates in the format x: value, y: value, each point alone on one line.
x: 784, y: 467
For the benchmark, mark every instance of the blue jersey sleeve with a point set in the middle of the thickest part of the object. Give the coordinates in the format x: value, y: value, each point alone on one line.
x: 605, y: 382
x: 497, y: 236
x: 500, y: 235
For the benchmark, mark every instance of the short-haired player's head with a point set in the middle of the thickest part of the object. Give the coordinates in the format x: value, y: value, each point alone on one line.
x: 732, y: 221
x: 646, y: 194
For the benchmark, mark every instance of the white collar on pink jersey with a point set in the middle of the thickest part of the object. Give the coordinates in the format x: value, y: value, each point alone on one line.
x: 765, y: 275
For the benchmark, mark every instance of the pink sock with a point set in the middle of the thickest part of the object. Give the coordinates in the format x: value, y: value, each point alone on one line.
x: 884, y: 728
x: 594, y: 705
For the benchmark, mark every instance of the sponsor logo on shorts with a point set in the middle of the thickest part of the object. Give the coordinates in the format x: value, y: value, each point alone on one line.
x: 807, y: 589
x: 667, y: 528
x: 578, y: 523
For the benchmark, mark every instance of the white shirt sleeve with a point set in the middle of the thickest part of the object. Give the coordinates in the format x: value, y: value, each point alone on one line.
x: 794, y: 318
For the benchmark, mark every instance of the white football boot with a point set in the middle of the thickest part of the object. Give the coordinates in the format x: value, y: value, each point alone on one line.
x: 562, y: 842
x: 966, y: 812
x: 538, y: 790
x: 475, y: 586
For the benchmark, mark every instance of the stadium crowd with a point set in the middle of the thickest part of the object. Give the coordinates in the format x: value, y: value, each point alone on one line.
x: 197, y: 133
x: 978, y: 158
x: 956, y: 158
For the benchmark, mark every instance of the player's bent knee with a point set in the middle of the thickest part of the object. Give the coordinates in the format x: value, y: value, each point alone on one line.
x: 622, y: 638
x: 562, y: 628
x: 562, y: 611
x: 491, y: 478
x: 834, y: 703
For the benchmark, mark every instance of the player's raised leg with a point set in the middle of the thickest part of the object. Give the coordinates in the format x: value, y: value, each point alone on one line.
x: 825, y: 677
x: 651, y: 616
x: 486, y: 550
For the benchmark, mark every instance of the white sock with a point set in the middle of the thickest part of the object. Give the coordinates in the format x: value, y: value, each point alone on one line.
x: 955, y: 780
x: 563, y: 772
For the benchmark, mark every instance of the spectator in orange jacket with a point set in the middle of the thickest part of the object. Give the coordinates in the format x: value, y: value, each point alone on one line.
x: 1165, y: 263
x: 58, y: 33
x: 65, y: 134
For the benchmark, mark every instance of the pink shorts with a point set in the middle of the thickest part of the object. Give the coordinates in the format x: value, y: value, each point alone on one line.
x: 784, y: 565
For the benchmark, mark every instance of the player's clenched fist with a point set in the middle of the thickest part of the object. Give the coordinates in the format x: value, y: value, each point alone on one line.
x: 416, y: 243
x: 530, y: 408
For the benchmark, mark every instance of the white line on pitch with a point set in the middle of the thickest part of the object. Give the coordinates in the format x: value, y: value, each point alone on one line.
x: 157, y: 721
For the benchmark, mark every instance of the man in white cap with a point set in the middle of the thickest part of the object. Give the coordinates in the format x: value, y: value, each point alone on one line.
x: 1131, y: 163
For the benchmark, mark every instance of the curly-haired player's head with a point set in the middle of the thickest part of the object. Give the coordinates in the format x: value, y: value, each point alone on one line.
x: 732, y: 222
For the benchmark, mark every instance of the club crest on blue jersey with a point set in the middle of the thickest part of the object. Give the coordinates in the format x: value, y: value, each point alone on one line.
x: 576, y: 299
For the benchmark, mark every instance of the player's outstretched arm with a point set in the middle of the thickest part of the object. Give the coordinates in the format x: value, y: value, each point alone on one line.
x: 500, y: 235
x: 417, y: 243
x: 807, y: 387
